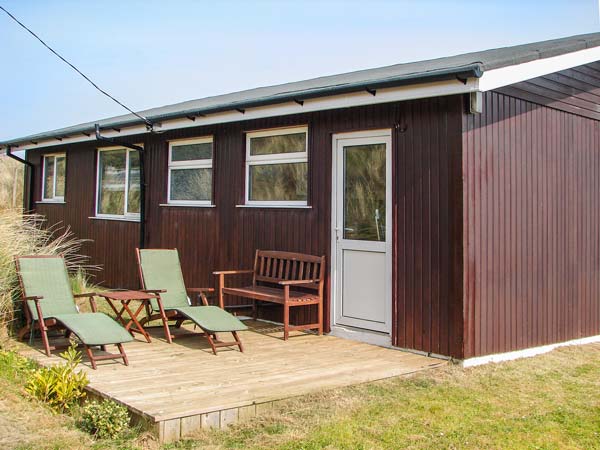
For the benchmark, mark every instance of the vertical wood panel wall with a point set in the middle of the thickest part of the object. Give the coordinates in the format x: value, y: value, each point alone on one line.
x: 531, y: 226
x: 427, y: 308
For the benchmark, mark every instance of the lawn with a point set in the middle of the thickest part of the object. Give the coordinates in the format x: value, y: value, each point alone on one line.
x: 551, y: 401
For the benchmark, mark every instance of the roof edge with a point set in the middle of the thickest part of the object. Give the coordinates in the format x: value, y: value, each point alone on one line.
x: 474, y: 70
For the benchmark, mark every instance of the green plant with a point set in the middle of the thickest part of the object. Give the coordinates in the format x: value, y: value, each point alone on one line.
x: 15, y: 367
x: 60, y: 386
x: 106, y: 419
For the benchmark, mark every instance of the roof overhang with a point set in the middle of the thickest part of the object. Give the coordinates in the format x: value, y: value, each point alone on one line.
x: 432, y: 84
x: 504, y: 76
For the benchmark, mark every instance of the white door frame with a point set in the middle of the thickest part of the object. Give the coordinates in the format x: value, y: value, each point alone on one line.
x: 386, y: 136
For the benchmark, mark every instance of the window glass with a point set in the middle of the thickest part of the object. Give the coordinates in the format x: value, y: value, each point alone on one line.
x: 190, y: 152
x: 285, y: 143
x: 61, y: 163
x: 278, y: 182
x: 111, y: 182
x: 190, y: 172
x: 133, y: 190
x: 191, y: 184
x: 49, y: 177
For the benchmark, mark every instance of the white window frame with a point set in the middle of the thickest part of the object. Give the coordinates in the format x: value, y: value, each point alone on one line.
x: 127, y: 215
x: 191, y: 164
x: 54, y: 198
x: 278, y: 158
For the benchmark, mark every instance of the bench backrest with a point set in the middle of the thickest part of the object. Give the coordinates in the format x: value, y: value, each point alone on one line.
x: 274, y: 266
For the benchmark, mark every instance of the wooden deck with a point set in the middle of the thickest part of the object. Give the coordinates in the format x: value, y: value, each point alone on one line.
x: 182, y: 387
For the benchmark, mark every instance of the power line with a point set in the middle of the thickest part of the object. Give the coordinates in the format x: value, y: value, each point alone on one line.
x: 146, y: 121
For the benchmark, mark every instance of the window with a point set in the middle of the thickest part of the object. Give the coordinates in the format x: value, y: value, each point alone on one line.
x: 190, y: 172
x: 54, y: 169
x: 277, y: 167
x: 118, y: 188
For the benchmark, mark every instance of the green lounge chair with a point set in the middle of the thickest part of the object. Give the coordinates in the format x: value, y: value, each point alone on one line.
x: 160, y: 273
x: 49, y: 303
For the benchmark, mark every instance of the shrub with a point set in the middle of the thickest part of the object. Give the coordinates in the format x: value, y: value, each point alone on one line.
x: 106, y: 419
x: 26, y: 234
x: 59, y: 386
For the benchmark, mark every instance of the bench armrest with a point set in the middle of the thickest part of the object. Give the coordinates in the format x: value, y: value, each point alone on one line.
x: 296, y: 282
x: 232, y: 272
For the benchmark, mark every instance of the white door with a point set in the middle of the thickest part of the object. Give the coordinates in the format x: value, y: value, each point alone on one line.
x: 362, y: 228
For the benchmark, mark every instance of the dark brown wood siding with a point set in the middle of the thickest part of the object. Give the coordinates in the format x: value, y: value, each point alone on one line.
x: 427, y: 295
x: 531, y: 226
x: 575, y: 90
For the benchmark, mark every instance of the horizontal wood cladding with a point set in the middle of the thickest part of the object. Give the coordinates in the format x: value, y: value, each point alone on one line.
x: 531, y: 226
x: 575, y: 90
x: 426, y: 142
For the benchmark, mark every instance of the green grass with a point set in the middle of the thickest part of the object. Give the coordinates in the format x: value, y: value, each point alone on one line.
x: 549, y: 402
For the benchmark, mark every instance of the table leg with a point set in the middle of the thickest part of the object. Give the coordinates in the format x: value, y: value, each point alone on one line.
x: 134, y: 321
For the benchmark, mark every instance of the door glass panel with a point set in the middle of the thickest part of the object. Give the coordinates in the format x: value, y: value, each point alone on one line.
x: 364, y: 192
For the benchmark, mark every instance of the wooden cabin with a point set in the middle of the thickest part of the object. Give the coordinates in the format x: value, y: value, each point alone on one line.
x: 455, y: 200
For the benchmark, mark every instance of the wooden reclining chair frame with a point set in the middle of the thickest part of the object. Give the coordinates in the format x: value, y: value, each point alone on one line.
x: 171, y: 315
x: 50, y: 324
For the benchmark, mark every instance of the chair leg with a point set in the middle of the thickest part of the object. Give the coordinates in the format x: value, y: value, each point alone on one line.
x: 238, y: 341
x: 165, y: 321
x: 254, y: 310
x: 23, y: 332
x: 286, y: 321
x: 320, y: 318
x: 212, y: 343
x: 178, y: 323
x: 88, y: 350
x: 44, y: 334
x: 103, y: 348
x: 123, y: 354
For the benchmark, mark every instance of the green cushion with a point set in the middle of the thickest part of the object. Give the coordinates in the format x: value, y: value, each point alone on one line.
x: 161, y: 270
x: 212, y: 318
x: 94, y: 328
x: 47, y: 277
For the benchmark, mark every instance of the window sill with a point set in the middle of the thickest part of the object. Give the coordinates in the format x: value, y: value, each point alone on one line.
x: 51, y: 202
x: 275, y: 206
x: 116, y: 219
x: 185, y: 205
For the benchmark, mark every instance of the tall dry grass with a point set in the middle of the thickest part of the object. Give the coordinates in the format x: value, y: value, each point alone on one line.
x: 26, y: 234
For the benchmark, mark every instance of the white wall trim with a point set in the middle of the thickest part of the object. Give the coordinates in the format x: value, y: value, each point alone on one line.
x: 526, y: 353
x: 504, y: 76
x: 387, y: 95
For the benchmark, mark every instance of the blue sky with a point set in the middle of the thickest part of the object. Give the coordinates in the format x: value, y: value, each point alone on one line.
x: 151, y: 53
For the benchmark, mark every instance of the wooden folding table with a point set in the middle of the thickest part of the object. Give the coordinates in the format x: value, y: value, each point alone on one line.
x: 126, y: 298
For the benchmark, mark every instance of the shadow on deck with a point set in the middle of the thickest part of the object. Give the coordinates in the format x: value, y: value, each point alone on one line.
x: 181, y: 387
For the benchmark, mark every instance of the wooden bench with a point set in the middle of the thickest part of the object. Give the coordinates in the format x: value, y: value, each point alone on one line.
x: 273, y: 276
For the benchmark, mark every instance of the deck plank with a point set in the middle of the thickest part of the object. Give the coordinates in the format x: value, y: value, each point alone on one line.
x: 166, y: 382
